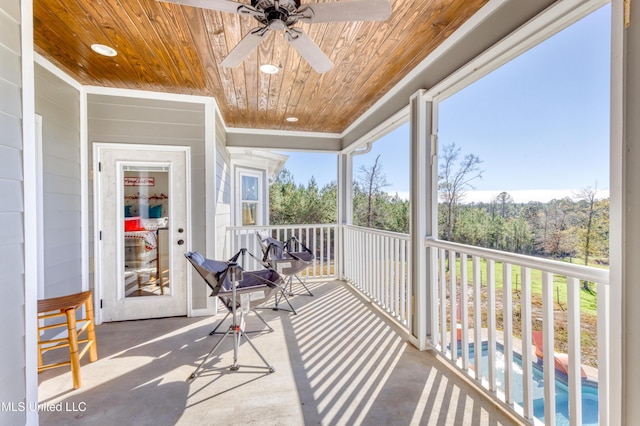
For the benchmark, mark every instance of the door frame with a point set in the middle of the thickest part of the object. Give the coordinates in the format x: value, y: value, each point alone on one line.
x: 97, y: 247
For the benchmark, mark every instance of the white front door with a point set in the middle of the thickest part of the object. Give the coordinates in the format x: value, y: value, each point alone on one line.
x: 142, y: 227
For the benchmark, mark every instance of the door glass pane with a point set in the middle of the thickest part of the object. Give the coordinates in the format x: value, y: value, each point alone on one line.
x: 146, y: 230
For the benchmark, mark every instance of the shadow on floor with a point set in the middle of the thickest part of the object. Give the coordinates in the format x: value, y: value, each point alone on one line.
x: 337, y: 362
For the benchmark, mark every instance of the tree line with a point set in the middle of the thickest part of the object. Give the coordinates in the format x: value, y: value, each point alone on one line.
x: 293, y: 203
x: 561, y: 228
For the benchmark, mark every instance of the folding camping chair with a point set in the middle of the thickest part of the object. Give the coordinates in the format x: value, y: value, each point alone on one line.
x: 238, y: 290
x: 289, y: 263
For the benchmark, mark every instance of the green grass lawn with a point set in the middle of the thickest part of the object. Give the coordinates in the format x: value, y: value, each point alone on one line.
x: 588, y: 303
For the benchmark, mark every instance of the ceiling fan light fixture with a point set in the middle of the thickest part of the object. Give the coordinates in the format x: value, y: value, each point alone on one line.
x: 269, y: 68
x: 104, y: 50
x: 292, y: 119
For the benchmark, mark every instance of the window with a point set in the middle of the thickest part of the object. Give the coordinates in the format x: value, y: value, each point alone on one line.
x: 250, y: 199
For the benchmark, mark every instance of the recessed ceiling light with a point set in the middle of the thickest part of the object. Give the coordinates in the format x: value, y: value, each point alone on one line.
x: 103, y: 50
x: 269, y: 69
x: 292, y: 119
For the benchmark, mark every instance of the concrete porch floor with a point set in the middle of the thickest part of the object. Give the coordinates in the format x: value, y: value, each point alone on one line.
x: 337, y: 363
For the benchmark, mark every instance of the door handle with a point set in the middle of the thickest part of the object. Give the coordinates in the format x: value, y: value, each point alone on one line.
x: 180, y: 242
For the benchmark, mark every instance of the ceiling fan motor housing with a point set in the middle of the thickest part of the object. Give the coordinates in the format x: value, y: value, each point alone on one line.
x: 277, y: 13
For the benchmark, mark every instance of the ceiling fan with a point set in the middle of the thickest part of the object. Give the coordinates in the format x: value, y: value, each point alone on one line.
x: 281, y: 15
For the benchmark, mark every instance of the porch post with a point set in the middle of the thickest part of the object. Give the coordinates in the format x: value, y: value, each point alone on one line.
x: 345, y: 204
x: 424, y: 219
x: 345, y: 189
x: 622, y: 328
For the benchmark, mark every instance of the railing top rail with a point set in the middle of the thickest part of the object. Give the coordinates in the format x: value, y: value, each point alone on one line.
x: 379, y: 232
x: 582, y: 272
x: 257, y: 227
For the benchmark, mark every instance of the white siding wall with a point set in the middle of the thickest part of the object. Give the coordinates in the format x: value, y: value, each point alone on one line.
x: 156, y: 122
x: 223, y: 190
x: 12, y: 278
x: 59, y: 105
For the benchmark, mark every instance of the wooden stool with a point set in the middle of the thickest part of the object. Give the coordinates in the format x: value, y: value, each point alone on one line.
x: 67, y: 306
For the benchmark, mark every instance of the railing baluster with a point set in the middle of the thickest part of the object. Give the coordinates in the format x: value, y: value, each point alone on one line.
x: 507, y: 327
x: 464, y: 310
x: 434, y: 278
x: 402, y: 282
x: 604, y: 358
x: 575, y: 379
x: 477, y: 316
x: 389, y: 263
x: 395, y: 263
x: 443, y: 302
x: 527, y: 348
x: 318, y: 231
x: 491, y: 322
x: 453, y: 309
x: 380, y: 270
x: 384, y: 266
x: 371, y: 285
x: 409, y: 278
x: 327, y: 263
x: 548, y: 329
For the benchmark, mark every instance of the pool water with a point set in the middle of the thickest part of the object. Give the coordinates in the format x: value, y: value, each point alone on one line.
x: 589, y: 388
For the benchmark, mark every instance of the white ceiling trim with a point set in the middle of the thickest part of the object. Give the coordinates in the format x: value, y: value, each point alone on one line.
x: 162, y: 96
x: 284, y: 140
x: 288, y: 133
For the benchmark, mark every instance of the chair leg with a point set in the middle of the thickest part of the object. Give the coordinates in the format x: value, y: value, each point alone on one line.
x: 304, y: 285
x: 284, y: 294
x: 206, y: 358
x: 72, y: 330
x: 261, y: 319
x: 219, y: 324
x: 91, y: 330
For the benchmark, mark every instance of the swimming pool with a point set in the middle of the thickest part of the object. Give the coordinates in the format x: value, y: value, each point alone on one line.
x: 589, y: 388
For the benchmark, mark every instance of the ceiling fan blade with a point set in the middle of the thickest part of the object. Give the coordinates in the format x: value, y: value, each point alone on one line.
x: 343, y: 11
x: 220, y: 5
x: 245, y: 47
x: 308, y: 50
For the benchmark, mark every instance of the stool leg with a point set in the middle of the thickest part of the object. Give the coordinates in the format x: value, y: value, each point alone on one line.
x: 91, y: 330
x: 39, y: 347
x: 72, y: 329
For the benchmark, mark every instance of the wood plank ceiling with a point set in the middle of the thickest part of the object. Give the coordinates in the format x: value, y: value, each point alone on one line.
x: 178, y: 49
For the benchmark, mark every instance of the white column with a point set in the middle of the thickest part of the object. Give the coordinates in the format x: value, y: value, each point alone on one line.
x: 345, y: 205
x: 30, y: 218
x: 623, y: 329
x: 424, y: 219
x: 210, y: 179
x: 345, y: 189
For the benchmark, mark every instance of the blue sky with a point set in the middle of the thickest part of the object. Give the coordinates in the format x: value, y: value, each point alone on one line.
x: 540, y: 123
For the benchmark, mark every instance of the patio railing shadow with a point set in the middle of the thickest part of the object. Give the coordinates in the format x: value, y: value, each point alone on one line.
x: 337, y: 362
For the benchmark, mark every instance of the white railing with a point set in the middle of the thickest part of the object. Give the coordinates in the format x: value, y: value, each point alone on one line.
x: 377, y: 264
x: 322, y: 240
x: 471, y: 316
